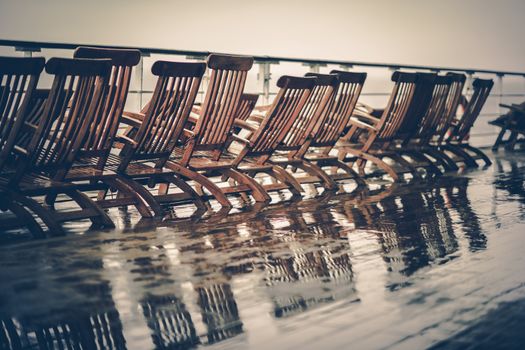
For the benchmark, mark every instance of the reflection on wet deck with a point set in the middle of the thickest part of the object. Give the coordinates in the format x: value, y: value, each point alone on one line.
x: 412, y: 268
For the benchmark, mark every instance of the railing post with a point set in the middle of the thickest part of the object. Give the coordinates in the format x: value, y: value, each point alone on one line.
x: 468, y: 84
x: 314, y: 67
x: 500, y: 85
x: 345, y: 67
x: 27, y: 51
x: 139, y: 78
x: 264, y: 77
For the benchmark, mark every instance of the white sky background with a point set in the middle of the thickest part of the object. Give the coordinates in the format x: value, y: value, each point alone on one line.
x: 460, y: 33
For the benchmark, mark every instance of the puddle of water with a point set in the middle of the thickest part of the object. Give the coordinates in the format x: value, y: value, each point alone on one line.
x: 428, y: 264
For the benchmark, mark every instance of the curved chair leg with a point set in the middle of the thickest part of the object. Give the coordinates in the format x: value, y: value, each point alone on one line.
x: 197, y: 200
x: 25, y: 218
x: 467, y: 158
x: 201, y: 180
x: 315, y: 170
x: 443, y: 158
x: 132, y: 189
x: 404, y: 163
x: 282, y: 175
x: 480, y: 153
x: 258, y: 191
x: 347, y: 169
x: 44, y: 214
x: 102, y: 219
x: 429, y: 164
x: 377, y: 161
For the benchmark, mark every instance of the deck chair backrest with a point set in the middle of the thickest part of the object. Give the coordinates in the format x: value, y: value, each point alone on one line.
x: 99, y: 138
x: 246, y: 105
x: 292, y: 97
x: 436, y: 108
x: 451, y: 106
x: 77, y: 94
x: 418, y: 107
x: 319, y: 100
x: 338, y: 113
x: 226, y: 84
x: 18, y: 80
x: 168, y: 111
x: 482, y: 88
x: 398, y: 105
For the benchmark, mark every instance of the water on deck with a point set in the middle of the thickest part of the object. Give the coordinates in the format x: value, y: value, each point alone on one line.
x: 437, y: 264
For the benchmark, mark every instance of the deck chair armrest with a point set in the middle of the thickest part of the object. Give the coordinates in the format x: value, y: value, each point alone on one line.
x: 242, y: 140
x: 193, y: 119
x: 256, y: 118
x: 19, y: 150
x: 365, y: 107
x: 245, y: 125
x: 127, y: 140
x: 513, y: 108
x: 138, y: 116
x: 188, y: 133
x: 365, y: 116
x: 361, y: 125
x: 132, y: 119
x: 262, y: 108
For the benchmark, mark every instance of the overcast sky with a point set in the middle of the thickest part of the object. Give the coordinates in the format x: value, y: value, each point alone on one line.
x: 462, y: 33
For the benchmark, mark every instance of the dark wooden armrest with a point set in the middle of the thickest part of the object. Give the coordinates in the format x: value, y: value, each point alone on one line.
x: 364, y: 107
x: 138, y: 116
x: 20, y: 150
x: 514, y: 108
x: 188, y: 133
x: 241, y: 140
x: 257, y: 118
x: 262, y: 108
x: 245, y: 125
x: 127, y: 140
x: 365, y: 117
x: 193, y: 119
x: 361, y: 125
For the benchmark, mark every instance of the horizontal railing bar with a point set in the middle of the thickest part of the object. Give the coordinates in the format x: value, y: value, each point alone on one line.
x: 37, y: 45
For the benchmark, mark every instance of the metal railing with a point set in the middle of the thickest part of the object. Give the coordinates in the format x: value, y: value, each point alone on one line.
x: 264, y: 76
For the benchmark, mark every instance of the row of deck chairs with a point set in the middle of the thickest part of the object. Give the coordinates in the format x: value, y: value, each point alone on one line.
x: 512, y: 126
x: 75, y: 138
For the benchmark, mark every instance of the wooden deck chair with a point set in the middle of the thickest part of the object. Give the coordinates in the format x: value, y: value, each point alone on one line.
x: 255, y: 154
x: 512, y: 122
x: 142, y: 156
x: 415, y: 143
x: 18, y: 81
x: 359, y: 148
x: 77, y: 93
x: 458, y: 140
x: 330, y: 126
x: 301, y: 128
x: 203, y: 153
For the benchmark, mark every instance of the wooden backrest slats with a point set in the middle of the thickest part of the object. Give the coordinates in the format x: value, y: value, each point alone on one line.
x: 99, y: 139
x: 398, y: 105
x: 291, y: 99
x: 435, y: 109
x: 246, y: 105
x: 18, y: 81
x: 340, y: 108
x: 76, y: 95
x: 451, y: 105
x: 168, y: 110
x: 482, y: 88
x: 226, y: 84
x: 312, y: 111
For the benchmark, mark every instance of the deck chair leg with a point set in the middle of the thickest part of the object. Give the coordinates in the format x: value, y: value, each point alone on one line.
x: 102, y: 219
x: 140, y: 195
x: 511, y: 142
x: 448, y: 163
x: 337, y: 164
x: 405, y: 164
x: 44, y: 214
x: 315, y: 170
x: 26, y: 218
x: 467, y: 158
x: 197, y: 200
x: 499, y: 139
x: 362, y: 157
x: 479, y: 153
x: 201, y: 180
x: 258, y: 191
x: 282, y: 175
